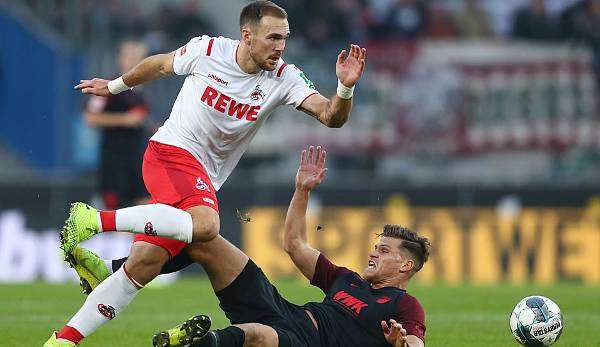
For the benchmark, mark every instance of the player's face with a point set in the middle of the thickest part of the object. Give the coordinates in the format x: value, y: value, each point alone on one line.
x: 268, y: 41
x: 385, y: 260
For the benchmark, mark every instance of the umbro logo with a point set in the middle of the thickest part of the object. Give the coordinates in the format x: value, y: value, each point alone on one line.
x: 383, y: 300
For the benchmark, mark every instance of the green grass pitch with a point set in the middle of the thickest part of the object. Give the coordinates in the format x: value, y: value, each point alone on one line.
x: 456, y: 315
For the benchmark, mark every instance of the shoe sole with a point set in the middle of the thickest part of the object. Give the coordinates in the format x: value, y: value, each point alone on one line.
x: 195, y: 328
x: 63, y: 233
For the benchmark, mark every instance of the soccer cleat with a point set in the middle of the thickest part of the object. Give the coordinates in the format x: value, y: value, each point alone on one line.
x: 54, y: 342
x: 81, y: 224
x: 90, y: 268
x: 185, y: 334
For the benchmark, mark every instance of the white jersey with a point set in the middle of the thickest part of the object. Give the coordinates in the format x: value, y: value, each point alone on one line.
x: 220, y: 108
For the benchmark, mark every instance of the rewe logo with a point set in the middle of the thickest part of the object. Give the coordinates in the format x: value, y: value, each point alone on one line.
x: 348, y: 301
x: 222, y: 103
x: 107, y: 311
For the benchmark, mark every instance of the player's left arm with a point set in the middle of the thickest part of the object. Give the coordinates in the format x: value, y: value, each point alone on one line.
x: 310, y: 174
x: 334, y: 112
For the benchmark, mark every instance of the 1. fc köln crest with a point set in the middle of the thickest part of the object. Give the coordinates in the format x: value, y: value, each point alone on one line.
x: 257, y: 94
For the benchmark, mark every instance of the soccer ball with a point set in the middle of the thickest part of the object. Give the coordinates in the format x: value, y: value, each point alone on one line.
x: 536, y: 321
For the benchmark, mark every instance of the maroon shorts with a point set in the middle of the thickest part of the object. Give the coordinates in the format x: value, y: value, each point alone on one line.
x: 174, y: 177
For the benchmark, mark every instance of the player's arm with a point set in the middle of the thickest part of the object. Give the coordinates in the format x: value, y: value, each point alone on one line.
x: 149, y: 69
x: 334, y: 112
x: 310, y: 174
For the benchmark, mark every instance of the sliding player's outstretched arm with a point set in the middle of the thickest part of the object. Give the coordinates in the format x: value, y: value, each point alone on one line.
x: 149, y: 69
x: 334, y: 112
x: 310, y: 174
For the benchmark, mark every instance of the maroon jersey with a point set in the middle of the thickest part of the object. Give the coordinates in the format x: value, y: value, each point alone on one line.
x: 352, y: 311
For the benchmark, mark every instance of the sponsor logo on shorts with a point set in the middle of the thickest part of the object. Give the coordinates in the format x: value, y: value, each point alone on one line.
x: 149, y: 229
x: 201, y: 185
x: 107, y: 311
x: 209, y: 200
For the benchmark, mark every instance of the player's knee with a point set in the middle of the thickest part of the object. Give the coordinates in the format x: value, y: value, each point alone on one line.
x: 145, y: 262
x: 206, y: 228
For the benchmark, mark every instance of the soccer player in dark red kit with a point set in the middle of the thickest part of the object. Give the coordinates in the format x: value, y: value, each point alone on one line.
x: 372, y: 309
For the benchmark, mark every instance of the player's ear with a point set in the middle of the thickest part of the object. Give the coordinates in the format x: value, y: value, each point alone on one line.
x: 407, y: 266
x: 246, y: 35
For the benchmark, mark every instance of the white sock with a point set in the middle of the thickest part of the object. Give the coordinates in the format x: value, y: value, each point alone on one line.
x: 108, y: 263
x: 156, y: 219
x: 104, y: 303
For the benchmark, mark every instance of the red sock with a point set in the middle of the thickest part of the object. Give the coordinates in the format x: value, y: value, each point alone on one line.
x: 69, y: 333
x: 108, y: 220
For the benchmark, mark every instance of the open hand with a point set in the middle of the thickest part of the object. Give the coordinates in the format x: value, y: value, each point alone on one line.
x: 394, y: 333
x: 94, y: 86
x: 349, y: 68
x: 312, y: 168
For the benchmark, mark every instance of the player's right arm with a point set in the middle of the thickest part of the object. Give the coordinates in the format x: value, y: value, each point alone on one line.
x: 149, y: 69
x: 310, y: 174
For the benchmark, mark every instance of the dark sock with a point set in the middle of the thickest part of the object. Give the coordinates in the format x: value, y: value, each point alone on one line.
x: 228, y: 337
x: 117, y: 263
x: 180, y: 262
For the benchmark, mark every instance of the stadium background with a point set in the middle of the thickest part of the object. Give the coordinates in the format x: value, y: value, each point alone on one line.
x: 478, y: 127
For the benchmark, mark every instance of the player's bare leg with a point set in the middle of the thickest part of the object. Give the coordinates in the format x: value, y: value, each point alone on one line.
x: 145, y: 262
x: 256, y: 335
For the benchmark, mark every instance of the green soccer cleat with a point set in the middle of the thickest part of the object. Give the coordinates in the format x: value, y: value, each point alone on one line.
x: 54, y: 342
x: 90, y: 268
x: 81, y: 224
x: 185, y: 334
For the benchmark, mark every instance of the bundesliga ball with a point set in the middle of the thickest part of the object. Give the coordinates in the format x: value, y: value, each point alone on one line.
x: 536, y: 321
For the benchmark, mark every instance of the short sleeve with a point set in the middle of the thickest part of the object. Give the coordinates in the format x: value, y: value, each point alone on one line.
x: 188, y: 56
x: 412, y: 316
x: 326, y: 272
x: 298, y: 86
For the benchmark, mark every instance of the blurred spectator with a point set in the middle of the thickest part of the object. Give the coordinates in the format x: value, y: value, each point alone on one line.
x: 405, y: 19
x: 182, y: 22
x: 121, y: 119
x: 472, y: 21
x: 534, y: 23
x: 586, y: 25
x: 439, y: 22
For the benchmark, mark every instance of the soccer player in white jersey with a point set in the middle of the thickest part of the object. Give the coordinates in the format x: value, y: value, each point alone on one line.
x: 231, y: 88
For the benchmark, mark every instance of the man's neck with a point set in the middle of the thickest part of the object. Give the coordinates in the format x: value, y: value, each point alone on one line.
x: 394, y: 282
x: 244, y: 61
